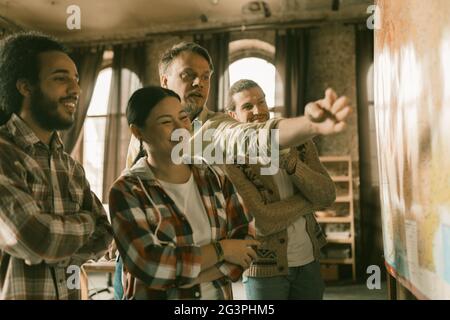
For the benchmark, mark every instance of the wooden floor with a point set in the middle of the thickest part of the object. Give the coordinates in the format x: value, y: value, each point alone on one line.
x: 344, y: 291
x: 355, y: 292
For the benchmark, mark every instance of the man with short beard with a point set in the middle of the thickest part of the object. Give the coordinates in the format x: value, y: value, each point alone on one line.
x: 287, y: 265
x: 49, y: 218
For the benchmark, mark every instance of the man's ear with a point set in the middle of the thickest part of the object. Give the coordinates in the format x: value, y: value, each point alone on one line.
x: 24, y: 87
x: 163, y: 81
x: 232, y: 114
x: 136, y: 131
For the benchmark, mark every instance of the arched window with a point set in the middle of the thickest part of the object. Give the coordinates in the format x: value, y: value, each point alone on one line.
x: 259, y: 70
x: 96, y: 124
x: 94, y: 132
x: 253, y: 59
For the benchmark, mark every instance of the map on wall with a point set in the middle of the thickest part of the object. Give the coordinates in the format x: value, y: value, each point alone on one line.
x: 412, y: 104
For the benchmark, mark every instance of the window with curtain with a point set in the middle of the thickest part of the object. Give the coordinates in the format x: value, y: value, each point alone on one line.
x: 94, y: 130
x: 259, y: 70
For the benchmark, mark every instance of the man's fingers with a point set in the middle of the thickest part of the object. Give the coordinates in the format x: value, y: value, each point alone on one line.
x: 328, y: 101
x: 340, y: 104
x: 314, y: 112
x: 339, y: 127
x: 252, y: 254
x: 330, y: 95
x: 343, y: 114
x: 325, y: 104
x: 252, y: 242
x: 245, y: 263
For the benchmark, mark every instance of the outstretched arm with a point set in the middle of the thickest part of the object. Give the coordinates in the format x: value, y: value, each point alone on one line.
x: 221, y: 132
x: 323, y: 117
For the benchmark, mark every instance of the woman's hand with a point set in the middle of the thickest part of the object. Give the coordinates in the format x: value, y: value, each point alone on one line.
x: 240, y: 252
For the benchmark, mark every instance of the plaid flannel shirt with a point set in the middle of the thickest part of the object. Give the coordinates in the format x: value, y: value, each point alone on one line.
x: 49, y: 218
x: 155, y: 239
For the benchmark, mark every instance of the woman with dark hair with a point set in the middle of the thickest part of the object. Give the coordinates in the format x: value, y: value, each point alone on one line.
x: 181, y: 230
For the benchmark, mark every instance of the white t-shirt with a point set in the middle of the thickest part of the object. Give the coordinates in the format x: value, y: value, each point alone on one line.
x: 299, y: 248
x: 188, y: 199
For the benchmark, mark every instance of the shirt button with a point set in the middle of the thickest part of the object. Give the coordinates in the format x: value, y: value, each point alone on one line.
x: 197, y: 294
x: 282, y: 241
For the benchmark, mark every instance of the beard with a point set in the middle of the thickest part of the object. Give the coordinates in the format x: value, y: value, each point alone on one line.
x: 45, y: 112
x: 192, y: 109
x: 262, y: 117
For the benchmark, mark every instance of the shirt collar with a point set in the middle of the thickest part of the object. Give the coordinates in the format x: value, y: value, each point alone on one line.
x: 202, y: 117
x: 25, y: 137
x: 142, y: 170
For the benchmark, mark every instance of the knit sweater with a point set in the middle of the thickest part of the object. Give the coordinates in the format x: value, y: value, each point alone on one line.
x: 314, y: 190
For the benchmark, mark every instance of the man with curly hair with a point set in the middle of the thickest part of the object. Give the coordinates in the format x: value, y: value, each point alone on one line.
x: 50, y: 220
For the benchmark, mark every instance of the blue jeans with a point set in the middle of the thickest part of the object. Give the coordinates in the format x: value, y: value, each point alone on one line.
x: 301, y: 283
x: 118, y: 289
